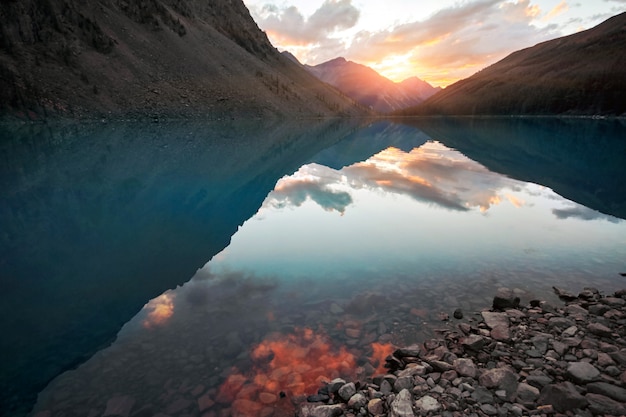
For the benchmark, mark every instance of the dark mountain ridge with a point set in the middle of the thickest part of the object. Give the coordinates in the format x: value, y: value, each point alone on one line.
x: 366, y: 86
x: 580, y: 74
x: 169, y: 57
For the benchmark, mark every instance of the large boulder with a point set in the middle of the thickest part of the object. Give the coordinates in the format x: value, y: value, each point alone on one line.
x: 563, y: 397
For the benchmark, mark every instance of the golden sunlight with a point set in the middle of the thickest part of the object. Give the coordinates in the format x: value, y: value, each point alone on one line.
x: 159, y: 309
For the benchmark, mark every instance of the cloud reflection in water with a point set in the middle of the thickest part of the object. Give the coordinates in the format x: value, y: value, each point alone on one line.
x: 431, y: 173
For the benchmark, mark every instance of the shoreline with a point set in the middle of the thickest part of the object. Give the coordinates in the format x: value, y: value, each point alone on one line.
x: 535, y: 359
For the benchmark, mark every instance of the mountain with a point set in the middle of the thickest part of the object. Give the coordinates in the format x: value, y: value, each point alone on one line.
x: 153, y: 57
x: 369, y: 88
x: 580, y: 74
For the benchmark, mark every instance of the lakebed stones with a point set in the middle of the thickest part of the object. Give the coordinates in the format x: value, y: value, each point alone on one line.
x: 505, y: 298
x: 552, y: 359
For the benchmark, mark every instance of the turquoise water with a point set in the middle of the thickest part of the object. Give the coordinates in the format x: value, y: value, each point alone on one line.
x: 325, y: 247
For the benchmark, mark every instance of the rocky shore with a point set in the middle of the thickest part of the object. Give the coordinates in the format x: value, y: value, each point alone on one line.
x: 515, y: 360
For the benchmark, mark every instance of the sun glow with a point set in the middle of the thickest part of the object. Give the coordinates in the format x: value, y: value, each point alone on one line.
x: 159, y: 310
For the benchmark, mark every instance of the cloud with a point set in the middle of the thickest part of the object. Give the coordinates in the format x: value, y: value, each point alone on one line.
x: 583, y: 213
x: 289, y: 26
x: 560, y: 8
x: 431, y: 173
x: 455, y: 42
x: 310, y: 182
x: 452, y: 43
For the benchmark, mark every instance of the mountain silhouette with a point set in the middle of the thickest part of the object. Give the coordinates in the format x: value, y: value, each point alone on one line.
x: 369, y: 88
x: 580, y: 74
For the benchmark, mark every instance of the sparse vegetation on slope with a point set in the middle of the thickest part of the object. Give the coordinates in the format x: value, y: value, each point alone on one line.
x: 181, y: 58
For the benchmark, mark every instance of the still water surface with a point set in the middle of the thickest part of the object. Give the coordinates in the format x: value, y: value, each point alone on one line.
x: 363, y: 245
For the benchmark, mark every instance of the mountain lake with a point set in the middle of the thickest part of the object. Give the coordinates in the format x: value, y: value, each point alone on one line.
x: 226, y: 268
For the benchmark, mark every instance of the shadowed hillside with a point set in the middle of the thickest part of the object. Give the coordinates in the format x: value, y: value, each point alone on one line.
x: 152, y: 57
x: 369, y: 88
x: 583, y: 74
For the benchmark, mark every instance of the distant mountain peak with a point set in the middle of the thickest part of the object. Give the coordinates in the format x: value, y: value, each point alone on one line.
x: 368, y: 87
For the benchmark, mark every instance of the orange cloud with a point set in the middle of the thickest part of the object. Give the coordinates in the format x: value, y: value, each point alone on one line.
x: 159, y: 310
x: 451, y: 44
x: 292, y: 364
x: 380, y: 353
x: 288, y: 365
x: 560, y: 8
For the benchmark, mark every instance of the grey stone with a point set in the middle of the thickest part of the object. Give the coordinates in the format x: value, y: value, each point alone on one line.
x: 495, y: 319
x: 404, y: 382
x: 473, y: 342
x: 570, y: 331
x: 526, y: 393
x: 559, y: 347
x: 599, y: 330
x: 582, y: 372
x: 560, y: 323
x: 458, y: 314
x: 601, y: 405
x: 482, y: 395
x: 619, y: 357
x: 385, y: 387
x: 401, y: 405
x: 357, y: 401
x: 540, y: 342
x: 613, y: 301
x: 428, y: 404
x: 489, y: 409
x: 376, y: 407
x: 335, y: 384
x: 608, y: 390
x: 347, y: 391
x: 465, y: 367
x: 316, y: 410
x: 563, y: 397
x: 564, y: 294
x: 604, y: 359
x: 598, y: 309
x: 538, y: 381
x: 505, y: 298
x: 440, y: 366
x: 413, y: 369
x: 576, y: 310
x: 412, y: 351
x: 500, y: 378
x: 501, y: 333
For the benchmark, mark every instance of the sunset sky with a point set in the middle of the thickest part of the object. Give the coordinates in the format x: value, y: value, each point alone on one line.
x: 439, y: 41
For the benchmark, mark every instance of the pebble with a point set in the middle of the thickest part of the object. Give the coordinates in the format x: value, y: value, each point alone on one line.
x: 538, y: 359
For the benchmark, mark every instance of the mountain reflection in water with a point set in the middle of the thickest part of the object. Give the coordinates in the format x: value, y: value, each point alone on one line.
x: 339, y: 265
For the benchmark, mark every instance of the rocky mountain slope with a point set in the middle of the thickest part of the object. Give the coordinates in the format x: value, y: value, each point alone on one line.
x: 371, y: 89
x: 152, y: 57
x: 582, y: 74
